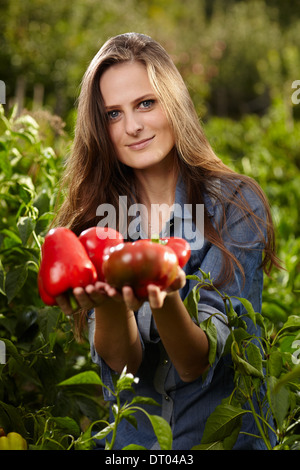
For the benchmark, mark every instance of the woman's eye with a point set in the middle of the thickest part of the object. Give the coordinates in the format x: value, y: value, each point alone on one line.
x: 147, y: 104
x: 113, y: 115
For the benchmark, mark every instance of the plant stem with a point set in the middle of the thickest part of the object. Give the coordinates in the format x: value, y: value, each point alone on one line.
x: 256, y: 419
x: 117, y: 420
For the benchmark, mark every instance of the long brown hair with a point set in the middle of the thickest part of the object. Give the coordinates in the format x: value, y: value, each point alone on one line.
x: 94, y: 174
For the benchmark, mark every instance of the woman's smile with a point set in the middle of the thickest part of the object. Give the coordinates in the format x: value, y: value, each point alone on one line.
x: 141, y: 144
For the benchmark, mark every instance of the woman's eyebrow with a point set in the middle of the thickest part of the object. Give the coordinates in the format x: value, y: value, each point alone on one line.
x: 135, y: 101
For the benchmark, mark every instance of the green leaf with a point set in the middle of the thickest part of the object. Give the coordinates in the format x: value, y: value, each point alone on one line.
x: 231, y: 314
x: 105, y: 431
x: 255, y: 358
x: 191, y: 303
x: 67, y: 425
x: 279, y: 399
x: 205, y: 275
x: 128, y: 415
x: 25, y: 226
x: 224, y: 422
x: 210, y: 446
x: 87, y: 377
x: 86, y: 441
x: 289, y: 377
x: 13, y: 238
x: 144, y: 401
x: 15, y: 279
x: 12, y: 351
x: 2, y: 279
x: 275, y: 362
x: 210, y: 329
x: 162, y: 431
x: 5, y: 165
x: 134, y: 447
x: 242, y: 365
x: 249, y: 308
x: 11, y: 418
x: 239, y: 334
x: 48, y: 320
x: 43, y: 222
x: 42, y: 202
x: 292, y: 323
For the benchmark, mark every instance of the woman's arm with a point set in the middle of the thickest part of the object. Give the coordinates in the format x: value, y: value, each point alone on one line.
x: 186, y: 343
x: 116, y: 337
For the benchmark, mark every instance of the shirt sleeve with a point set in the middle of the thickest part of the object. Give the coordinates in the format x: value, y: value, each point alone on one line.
x: 243, y: 235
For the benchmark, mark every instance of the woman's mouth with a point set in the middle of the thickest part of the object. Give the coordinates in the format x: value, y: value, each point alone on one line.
x: 141, y: 144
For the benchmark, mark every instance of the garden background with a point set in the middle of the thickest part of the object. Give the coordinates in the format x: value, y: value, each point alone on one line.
x: 241, y: 62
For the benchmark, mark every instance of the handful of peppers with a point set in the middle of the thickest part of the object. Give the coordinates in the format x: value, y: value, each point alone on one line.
x: 101, y: 254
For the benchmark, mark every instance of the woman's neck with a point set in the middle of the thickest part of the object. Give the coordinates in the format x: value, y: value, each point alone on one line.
x: 156, y: 192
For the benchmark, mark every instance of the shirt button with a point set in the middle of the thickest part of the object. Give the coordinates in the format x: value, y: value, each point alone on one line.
x: 167, y: 398
x: 165, y: 362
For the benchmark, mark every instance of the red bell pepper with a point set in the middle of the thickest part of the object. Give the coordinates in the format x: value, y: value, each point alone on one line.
x: 139, y: 264
x: 64, y: 265
x: 95, y: 240
x: 180, y: 246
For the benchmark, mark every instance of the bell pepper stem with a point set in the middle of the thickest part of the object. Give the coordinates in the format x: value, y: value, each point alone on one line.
x: 73, y: 301
x: 155, y: 239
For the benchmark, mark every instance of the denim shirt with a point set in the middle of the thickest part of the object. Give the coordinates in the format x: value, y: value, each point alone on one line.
x: 187, y: 405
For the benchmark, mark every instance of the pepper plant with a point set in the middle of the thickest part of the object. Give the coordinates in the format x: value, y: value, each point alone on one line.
x: 37, y: 346
x: 268, y: 360
x: 127, y: 411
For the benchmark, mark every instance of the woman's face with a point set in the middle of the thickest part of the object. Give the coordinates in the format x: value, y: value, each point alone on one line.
x: 138, y: 126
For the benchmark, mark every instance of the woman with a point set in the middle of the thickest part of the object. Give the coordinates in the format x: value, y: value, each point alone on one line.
x: 138, y: 136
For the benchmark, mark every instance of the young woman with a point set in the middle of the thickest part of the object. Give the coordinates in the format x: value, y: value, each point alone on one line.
x: 138, y: 136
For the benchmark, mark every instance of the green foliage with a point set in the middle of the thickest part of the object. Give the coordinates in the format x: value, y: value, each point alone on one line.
x: 50, y: 391
x: 258, y: 361
x: 267, y: 149
x: 234, y: 55
x: 125, y: 380
x: 40, y: 350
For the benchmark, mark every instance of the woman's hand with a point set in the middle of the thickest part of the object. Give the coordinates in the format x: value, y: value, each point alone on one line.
x: 97, y: 294
x: 94, y: 295
x: 156, y: 296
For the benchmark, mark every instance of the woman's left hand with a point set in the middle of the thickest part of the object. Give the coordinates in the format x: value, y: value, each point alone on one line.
x: 156, y: 296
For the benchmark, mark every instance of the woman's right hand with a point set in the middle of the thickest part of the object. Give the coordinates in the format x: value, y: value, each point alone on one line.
x: 93, y: 295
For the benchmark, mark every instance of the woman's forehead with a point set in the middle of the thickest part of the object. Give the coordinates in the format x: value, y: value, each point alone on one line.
x: 125, y: 82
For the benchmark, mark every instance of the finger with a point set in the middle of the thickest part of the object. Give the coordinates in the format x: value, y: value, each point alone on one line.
x: 113, y: 293
x: 100, y: 287
x: 156, y: 297
x: 83, y: 297
x: 64, y: 304
x: 96, y: 295
x: 130, y: 299
x: 179, y: 282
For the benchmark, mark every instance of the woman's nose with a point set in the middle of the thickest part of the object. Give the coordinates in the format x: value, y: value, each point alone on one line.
x: 133, y: 124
